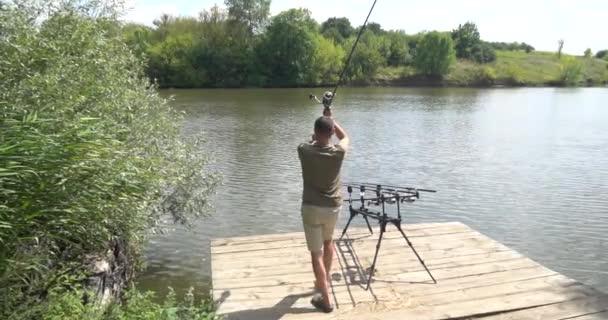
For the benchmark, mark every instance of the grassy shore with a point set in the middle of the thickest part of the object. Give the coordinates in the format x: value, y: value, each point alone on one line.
x: 511, y: 68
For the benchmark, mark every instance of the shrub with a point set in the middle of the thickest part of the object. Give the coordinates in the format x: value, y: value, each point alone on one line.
x: 572, y: 72
x: 434, y: 54
x: 484, y: 53
x: 601, y: 54
x: 89, y: 153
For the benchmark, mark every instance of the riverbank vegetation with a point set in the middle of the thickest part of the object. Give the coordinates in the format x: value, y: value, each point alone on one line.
x: 91, y: 158
x: 243, y: 46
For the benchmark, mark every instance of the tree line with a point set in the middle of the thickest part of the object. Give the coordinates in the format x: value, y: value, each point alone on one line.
x: 242, y: 45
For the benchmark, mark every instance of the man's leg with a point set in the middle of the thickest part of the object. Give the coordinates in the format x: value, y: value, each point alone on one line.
x: 330, y: 217
x: 318, y: 268
x: 328, y: 256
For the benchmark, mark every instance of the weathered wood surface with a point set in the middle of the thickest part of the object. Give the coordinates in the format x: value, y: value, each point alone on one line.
x: 269, y: 277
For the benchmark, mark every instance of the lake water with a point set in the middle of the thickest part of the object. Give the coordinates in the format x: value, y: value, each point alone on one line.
x: 527, y: 167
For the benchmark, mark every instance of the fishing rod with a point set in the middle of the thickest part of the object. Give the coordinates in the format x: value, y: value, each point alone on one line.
x: 328, y: 96
x: 387, y: 187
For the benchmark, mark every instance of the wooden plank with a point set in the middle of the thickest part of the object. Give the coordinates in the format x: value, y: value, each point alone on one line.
x: 406, y: 290
x: 301, y: 241
x: 397, y: 254
x: 367, y: 247
x: 592, y: 316
x: 473, y: 308
x: 574, y: 309
x: 283, y: 236
x: 446, y: 259
x: 270, y: 277
x: 405, y: 277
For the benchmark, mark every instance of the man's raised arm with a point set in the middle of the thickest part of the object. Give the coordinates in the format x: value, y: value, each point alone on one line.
x: 342, y: 136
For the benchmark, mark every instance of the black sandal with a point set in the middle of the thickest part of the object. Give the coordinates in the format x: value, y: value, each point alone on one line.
x: 317, y: 302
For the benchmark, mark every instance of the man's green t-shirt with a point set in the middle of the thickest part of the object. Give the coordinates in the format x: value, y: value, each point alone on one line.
x: 321, y: 173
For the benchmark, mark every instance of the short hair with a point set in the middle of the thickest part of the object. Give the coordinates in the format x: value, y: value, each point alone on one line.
x: 324, y: 125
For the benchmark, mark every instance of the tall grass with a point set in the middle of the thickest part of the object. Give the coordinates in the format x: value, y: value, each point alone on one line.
x: 90, y: 155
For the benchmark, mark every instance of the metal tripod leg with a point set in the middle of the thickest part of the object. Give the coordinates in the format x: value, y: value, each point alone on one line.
x: 373, y: 267
x: 352, y: 216
x: 368, y: 226
x: 398, y: 225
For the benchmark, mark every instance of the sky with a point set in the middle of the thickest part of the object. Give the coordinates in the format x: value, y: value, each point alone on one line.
x: 541, y: 23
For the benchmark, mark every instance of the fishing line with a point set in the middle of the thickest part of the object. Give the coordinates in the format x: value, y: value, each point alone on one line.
x: 350, y: 56
x: 329, y: 96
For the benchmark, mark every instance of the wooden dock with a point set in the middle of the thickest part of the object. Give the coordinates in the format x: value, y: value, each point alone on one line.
x: 269, y: 277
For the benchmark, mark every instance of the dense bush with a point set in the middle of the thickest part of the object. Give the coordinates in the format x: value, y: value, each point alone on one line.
x: 601, y: 54
x: 434, y: 54
x: 89, y: 153
x: 572, y: 71
x: 513, y: 46
x: 135, y: 305
x: 484, y: 53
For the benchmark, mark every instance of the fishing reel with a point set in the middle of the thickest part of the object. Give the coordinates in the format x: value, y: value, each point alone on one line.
x: 326, y: 101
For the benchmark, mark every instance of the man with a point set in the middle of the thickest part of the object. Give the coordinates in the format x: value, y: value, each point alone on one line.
x: 321, y: 200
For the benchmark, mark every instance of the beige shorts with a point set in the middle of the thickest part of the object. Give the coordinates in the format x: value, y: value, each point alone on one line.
x: 319, y: 224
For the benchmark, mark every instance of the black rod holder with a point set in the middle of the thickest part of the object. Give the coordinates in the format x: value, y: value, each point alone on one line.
x: 384, y: 196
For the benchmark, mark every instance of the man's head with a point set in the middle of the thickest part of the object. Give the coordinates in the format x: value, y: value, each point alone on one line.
x: 324, y: 127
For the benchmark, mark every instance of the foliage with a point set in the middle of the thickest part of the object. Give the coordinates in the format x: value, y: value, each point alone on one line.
x: 366, y: 59
x: 214, y: 51
x: 287, y: 49
x: 588, y: 53
x: 484, y: 53
x: 327, y: 62
x: 466, y: 73
x: 375, y: 28
x: 466, y: 37
x: 513, y: 46
x: 572, y: 71
x: 468, y: 44
x: 89, y: 153
x: 135, y: 305
x: 396, y: 51
x: 253, y: 14
x: 141, y: 306
x: 601, y: 54
x: 338, y: 29
x: 434, y: 54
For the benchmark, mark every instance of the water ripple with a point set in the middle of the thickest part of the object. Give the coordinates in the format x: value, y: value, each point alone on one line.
x: 527, y: 167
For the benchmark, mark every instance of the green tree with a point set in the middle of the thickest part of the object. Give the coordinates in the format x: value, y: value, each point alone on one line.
x: 338, y: 29
x: 395, y: 49
x: 252, y: 13
x: 434, y: 54
x: 588, y: 53
x: 374, y: 27
x: 367, y: 58
x: 327, y: 62
x: 137, y: 37
x: 466, y: 38
x: 287, y: 49
x: 226, y: 50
